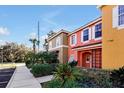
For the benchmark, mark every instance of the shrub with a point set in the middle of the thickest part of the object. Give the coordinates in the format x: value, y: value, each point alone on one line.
x: 52, y: 84
x: 30, y: 59
x: 29, y: 63
x: 53, y: 66
x: 57, y: 84
x: 95, y: 78
x: 117, y: 77
x: 41, y: 57
x: 41, y: 70
x: 65, y: 77
x: 66, y: 74
x: 73, y: 63
x: 50, y: 57
x: 70, y: 84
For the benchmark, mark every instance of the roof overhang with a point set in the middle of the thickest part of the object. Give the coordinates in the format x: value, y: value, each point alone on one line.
x: 61, y: 31
x: 86, y: 25
x: 88, y: 47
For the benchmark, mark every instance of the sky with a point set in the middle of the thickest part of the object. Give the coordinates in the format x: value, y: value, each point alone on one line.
x: 19, y: 23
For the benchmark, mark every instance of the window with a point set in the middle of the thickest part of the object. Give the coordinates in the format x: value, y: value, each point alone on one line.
x: 86, y: 35
x: 121, y: 15
x: 73, y: 39
x: 118, y: 17
x: 98, y: 30
x: 58, y: 41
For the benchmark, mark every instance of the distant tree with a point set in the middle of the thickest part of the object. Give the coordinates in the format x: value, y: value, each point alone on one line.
x: 45, y: 45
x: 12, y: 52
x: 51, y: 33
x: 34, y: 42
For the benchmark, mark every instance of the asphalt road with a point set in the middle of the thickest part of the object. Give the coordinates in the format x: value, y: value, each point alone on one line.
x: 5, y: 75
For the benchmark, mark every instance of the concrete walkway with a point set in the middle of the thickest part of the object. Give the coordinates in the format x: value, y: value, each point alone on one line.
x: 22, y: 78
x: 45, y: 78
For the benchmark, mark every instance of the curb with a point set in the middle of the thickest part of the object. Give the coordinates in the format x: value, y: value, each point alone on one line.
x: 10, y: 81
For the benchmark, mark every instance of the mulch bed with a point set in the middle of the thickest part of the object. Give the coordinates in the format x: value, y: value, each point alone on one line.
x: 5, y: 76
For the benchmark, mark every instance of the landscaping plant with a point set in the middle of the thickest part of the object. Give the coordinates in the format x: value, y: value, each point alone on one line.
x: 95, y: 78
x: 39, y: 70
x: 65, y: 76
x: 50, y: 57
x: 30, y: 59
x: 117, y: 77
x: 73, y: 63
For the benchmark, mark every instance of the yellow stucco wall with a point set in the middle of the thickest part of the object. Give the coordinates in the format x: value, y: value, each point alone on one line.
x: 112, y: 41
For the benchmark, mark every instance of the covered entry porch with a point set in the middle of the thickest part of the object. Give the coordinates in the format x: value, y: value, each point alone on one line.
x: 90, y: 57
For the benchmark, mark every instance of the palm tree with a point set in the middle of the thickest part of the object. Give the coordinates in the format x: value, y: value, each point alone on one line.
x: 34, y: 42
x: 45, y: 45
x: 66, y: 73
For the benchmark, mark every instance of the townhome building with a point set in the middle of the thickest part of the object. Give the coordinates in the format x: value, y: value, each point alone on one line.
x: 112, y: 36
x: 59, y: 43
x: 85, y: 45
x: 98, y: 44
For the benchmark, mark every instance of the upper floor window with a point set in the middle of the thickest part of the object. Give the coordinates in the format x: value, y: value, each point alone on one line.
x: 86, y: 35
x: 98, y: 30
x: 58, y: 41
x: 118, y: 17
x: 121, y: 15
x: 73, y: 39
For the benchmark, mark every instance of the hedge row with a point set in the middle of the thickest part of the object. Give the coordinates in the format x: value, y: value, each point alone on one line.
x: 39, y: 70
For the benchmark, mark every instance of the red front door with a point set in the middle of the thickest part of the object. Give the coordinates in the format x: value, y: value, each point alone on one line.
x: 86, y: 60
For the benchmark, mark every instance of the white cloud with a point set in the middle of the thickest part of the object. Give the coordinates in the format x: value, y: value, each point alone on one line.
x: 49, y: 21
x: 4, y: 31
x: 48, y: 18
x: 52, y: 14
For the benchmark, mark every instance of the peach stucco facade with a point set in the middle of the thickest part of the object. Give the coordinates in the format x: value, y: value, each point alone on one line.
x: 112, y: 40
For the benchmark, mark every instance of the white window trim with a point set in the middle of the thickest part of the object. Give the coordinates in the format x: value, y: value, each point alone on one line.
x: 98, y: 38
x: 116, y: 19
x: 119, y: 26
x: 89, y: 35
x: 75, y: 39
x: 61, y: 46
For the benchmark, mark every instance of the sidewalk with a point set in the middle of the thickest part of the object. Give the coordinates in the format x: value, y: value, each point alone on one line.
x: 22, y: 78
x: 45, y: 78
